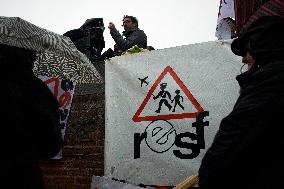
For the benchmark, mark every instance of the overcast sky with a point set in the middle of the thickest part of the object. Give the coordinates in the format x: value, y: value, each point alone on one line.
x: 167, y: 23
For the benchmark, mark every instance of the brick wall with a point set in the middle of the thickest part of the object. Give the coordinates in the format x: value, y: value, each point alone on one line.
x: 83, y: 151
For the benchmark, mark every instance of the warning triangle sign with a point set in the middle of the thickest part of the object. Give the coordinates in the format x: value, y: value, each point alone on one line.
x: 168, y: 70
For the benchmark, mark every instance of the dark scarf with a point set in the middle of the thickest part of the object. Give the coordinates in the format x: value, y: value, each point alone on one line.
x: 129, y: 32
x: 261, y: 73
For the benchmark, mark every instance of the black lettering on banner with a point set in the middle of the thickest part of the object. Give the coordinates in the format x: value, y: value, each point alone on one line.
x: 63, y: 114
x: 62, y: 125
x: 67, y: 85
x: 199, y: 136
x: 193, y: 147
x: 199, y: 124
x: 137, y: 141
x: 63, y: 117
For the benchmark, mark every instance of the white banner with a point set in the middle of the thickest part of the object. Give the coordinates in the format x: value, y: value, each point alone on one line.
x: 226, y: 10
x: 153, y: 133
x: 63, y: 90
x: 103, y: 182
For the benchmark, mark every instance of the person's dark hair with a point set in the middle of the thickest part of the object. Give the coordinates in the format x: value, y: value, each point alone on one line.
x: 24, y: 56
x: 133, y: 19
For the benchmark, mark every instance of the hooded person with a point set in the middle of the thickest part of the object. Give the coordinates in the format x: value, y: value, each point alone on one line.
x: 30, y: 122
x: 246, y: 150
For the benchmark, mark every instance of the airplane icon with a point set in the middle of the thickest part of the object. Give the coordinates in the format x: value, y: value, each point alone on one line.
x: 144, y: 81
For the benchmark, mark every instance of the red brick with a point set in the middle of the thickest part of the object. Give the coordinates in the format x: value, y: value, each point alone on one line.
x: 83, y: 151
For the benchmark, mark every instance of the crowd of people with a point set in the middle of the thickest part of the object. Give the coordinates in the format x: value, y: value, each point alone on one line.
x: 245, y: 153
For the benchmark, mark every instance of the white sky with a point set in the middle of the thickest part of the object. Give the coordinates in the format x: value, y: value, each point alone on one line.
x: 167, y: 23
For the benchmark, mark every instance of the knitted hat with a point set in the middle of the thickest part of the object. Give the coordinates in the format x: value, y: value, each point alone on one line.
x: 263, y: 38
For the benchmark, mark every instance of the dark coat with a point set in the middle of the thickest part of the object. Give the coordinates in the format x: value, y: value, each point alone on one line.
x: 30, y: 128
x: 247, y: 149
x: 132, y: 37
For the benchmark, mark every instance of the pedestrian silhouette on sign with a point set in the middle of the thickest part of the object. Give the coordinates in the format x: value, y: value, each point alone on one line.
x: 177, y: 100
x: 163, y: 94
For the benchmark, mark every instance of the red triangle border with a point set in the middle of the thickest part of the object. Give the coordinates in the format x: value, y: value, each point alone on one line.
x: 169, y: 70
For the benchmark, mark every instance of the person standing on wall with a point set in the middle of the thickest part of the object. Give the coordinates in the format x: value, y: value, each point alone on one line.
x: 130, y: 37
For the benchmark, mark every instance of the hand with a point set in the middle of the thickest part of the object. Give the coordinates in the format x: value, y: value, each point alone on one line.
x: 111, y: 25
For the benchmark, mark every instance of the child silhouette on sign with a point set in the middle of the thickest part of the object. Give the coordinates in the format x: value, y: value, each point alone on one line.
x: 163, y: 94
x: 177, y: 100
